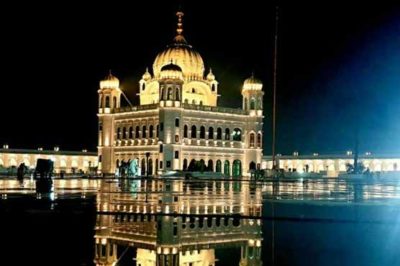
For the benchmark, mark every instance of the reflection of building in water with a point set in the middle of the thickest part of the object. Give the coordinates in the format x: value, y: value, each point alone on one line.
x: 206, y: 218
x: 334, y: 164
x: 66, y: 161
x: 179, y: 121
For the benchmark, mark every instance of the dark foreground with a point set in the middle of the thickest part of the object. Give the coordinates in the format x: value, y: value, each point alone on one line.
x: 177, y: 222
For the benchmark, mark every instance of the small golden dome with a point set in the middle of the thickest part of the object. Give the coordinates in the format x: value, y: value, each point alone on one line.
x: 146, y: 76
x: 210, y: 76
x: 110, y: 82
x: 252, y: 84
x: 171, y: 71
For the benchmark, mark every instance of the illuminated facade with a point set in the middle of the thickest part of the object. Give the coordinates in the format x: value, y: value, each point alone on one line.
x: 66, y: 161
x: 179, y: 121
x: 334, y: 164
x: 205, y: 219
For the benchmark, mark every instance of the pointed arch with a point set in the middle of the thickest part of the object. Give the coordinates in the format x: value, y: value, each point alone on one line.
x: 193, y: 134
x: 218, y: 166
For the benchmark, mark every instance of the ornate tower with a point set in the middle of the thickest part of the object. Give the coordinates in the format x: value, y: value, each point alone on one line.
x: 253, y: 95
x: 253, y: 103
x: 109, y: 100
x: 213, y: 83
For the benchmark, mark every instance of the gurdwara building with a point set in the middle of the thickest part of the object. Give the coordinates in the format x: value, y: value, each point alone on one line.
x: 178, y: 124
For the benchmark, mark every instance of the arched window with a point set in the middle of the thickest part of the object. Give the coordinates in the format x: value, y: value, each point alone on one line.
x: 218, y: 166
x: 185, y: 164
x: 202, y: 132
x: 150, y: 167
x: 237, y: 134
x: 144, y: 129
x: 192, y: 165
x: 101, y: 101
x: 162, y: 93
x: 143, y: 86
x: 213, y: 87
x: 131, y: 132
x: 210, y: 166
x: 237, y: 168
x: 245, y: 103
x: 252, y: 140
x: 185, y: 131
x: 107, y: 102
x: 137, y: 135
x: 143, y: 167
x: 193, y: 101
x: 156, y: 166
x: 115, y: 102
x: 186, y: 101
x: 252, y: 104
x: 259, y: 103
x: 227, y: 134
x: 124, y: 133
x: 252, y: 166
x: 193, y: 134
x: 202, y: 165
x: 177, y: 122
x: 227, y: 168
x: 193, y: 90
x: 177, y: 94
x: 151, y: 129
x: 201, y: 103
x: 157, y: 131
x: 219, y: 133
x: 170, y: 93
x: 210, y: 132
x: 119, y: 133
x: 259, y: 140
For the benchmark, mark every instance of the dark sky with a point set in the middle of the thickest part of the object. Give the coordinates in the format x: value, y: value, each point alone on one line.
x: 339, y: 66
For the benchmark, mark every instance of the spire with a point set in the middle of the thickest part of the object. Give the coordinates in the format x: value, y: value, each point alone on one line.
x: 179, y: 30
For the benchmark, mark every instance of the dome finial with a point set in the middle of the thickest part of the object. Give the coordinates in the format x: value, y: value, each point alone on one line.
x: 179, y: 29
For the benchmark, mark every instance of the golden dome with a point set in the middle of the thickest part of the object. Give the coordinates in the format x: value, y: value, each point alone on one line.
x: 146, y: 76
x: 252, y: 84
x: 181, y: 54
x: 110, y: 82
x: 210, y: 76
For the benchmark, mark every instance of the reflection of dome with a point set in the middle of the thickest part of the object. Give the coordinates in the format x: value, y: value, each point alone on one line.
x: 171, y: 71
x: 110, y: 82
x: 181, y: 54
x: 252, y: 84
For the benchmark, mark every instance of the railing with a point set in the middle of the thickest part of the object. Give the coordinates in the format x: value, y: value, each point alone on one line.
x: 136, y: 108
x: 216, y: 109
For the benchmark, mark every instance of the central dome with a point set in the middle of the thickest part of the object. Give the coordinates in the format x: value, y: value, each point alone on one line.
x: 182, y: 54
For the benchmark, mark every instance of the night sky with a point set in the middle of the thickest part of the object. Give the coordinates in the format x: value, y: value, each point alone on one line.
x: 338, y: 67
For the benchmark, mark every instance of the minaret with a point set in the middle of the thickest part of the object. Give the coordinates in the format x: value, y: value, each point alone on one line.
x: 213, y: 83
x: 171, y: 84
x: 145, y: 79
x: 253, y: 96
x: 109, y: 102
x: 253, y: 104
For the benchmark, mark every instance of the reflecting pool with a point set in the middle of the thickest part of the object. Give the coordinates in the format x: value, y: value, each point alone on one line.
x: 202, y: 222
